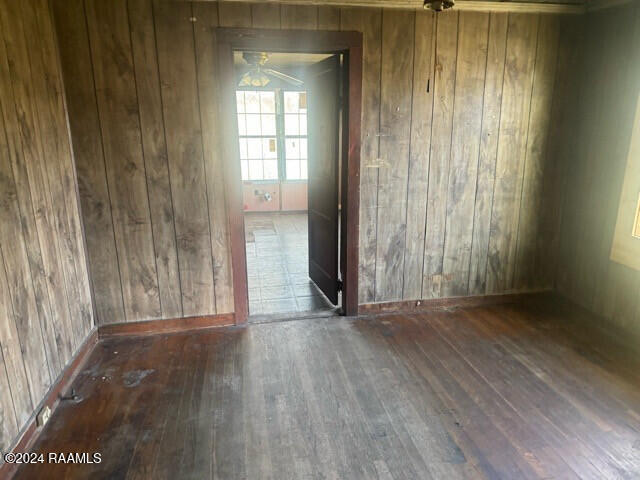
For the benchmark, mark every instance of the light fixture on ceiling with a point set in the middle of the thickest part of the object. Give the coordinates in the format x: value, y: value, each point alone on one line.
x: 438, y: 5
x: 259, y: 76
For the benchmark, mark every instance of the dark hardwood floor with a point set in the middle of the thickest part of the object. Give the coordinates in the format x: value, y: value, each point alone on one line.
x: 512, y: 392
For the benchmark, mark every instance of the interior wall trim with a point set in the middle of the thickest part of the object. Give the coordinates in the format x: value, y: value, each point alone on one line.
x: 415, y: 306
x: 461, y: 5
x: 29, y: 434
x: 174, y: 325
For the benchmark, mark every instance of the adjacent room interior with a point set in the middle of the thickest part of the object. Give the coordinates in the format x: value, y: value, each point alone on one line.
x: 272, y: 92
x: 320, y: 239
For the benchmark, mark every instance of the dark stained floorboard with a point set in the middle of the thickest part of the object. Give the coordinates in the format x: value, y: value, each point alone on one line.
x: 507, y: 391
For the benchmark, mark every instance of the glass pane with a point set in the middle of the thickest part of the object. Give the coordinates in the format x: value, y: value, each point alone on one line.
x: 268, y: 102
x: 245, y: 169
x: 293, y: 169
x: 303, y: 169
x: 292, y: 148
x: 255, y: 170
x: 269, y: 149
x: 271, y: 169
x: 240, y: 102
x: 303, y: 124
x: 268, y: 124
x: 291, y: 124
x: 242, y: 129
x: 243, y: 148
x: 291, y: 102
x: 303, y: 148
x: 252, y: 102
x: 254, y: 148
x: 253, y: 124
x: 302, y: 102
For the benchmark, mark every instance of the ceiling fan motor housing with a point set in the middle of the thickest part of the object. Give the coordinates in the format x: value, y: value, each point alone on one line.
x: 438, y: 5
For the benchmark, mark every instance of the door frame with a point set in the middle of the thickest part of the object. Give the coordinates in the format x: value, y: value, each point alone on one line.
x: 295, y: 41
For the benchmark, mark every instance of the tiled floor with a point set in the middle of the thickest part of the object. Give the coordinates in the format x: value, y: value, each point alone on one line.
x: 277, y: 265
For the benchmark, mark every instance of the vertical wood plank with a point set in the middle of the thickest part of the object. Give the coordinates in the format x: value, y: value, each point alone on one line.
x: 8, y: 424
x: 465, y: 147
x: 264, y: 15
x: 73, y: 242
x: 328, y: 18
x: 47, y: 192
x: 369, y: 22
x: 19, y: 103
x: 9, y: 338
x: 395, y: 127
x: 87, y: 147
x: 232, y: 14
x: 17, y: 225
x: 560, y: 149
x: 145, y: 61
x: 13, y: 382
x: 299, y: 16
x: 69, y: 282
x: 444, y: 85
x: 488, y: 151
x: 45, y: 304
x: 530, y: 232
x: 206, y: 56
x: 177, y: 66
x: 516, y: 101
x: 418, y: 184
x: 109, y: 38
x: 19, y: 288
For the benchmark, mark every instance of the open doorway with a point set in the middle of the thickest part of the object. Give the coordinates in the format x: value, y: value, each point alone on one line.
x: 291, y: 152
x: 288, y: 108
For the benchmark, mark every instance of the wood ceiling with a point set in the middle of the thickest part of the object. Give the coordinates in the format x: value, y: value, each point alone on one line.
x: 538, y: 6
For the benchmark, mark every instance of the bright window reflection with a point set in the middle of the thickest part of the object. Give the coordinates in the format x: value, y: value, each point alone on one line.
x: 257, y: 135
x: 260, y: 132
x: 295, y: 130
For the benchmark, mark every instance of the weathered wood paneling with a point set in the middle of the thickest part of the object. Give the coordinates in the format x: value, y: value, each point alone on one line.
x: 145, y: 60
x: 207, y: 62
x: 265, y: 15
x: 395, y: 133
x: 465, y: 147
x: 115, y: 83
x: 494, y: 79
x: 514, y: 122
x: 232, y: 14
x: 369, y: 22
x: 18, y: 234
x: 432, y: 214
x: 328, y: 18
x: 45, y: 304
x: 299, y: 16
x: 444, y: 81
x: 528, y: 265
x: 177, y: 66
x: 420, y: 147
x: 595, y: 163
x: 75, y: 58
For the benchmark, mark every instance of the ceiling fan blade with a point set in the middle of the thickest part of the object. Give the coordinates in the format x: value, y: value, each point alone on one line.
x: 284, y: 77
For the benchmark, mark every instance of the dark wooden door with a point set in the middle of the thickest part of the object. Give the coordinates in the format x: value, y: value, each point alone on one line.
x: 323, y: 97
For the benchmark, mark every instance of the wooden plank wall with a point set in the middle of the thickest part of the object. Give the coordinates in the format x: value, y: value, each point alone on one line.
x: 45, y: 299
x: 597, y: 156
x: 456, y: 115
